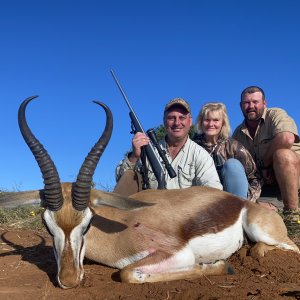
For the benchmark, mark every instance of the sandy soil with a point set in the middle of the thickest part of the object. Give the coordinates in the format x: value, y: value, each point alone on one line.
x: 28, y: 268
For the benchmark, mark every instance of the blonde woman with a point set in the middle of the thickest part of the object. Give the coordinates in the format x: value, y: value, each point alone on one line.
x: 235, y: 165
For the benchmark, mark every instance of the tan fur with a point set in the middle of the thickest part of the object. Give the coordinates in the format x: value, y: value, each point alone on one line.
x: 157, y: 224
x: 68, y: 274
x: 260, y: 250
x: 265, y: 218
x: 67, y: 218
x: 271, y: 223
x: 177, y: 217
x: 195, y: 271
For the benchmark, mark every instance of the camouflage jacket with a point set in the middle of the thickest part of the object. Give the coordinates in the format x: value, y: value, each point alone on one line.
x: 230, y: 148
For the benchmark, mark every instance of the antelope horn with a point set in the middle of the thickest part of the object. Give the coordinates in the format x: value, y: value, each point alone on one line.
x: 82, y: 187
x: 52, y: 187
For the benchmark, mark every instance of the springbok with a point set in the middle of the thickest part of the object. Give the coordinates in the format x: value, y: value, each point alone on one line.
x: 154, y: 235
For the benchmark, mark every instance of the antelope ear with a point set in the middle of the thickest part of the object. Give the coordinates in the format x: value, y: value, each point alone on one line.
x: 100, y: 198
x: 27, y: 198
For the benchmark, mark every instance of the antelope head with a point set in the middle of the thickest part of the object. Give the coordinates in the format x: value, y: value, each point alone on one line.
x: 67, y: 214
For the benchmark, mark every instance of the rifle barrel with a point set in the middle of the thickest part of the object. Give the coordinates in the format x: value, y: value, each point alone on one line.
x: 121, y: 90
x: 154, y: 161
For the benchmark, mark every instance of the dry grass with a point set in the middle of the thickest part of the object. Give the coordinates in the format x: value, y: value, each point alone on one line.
x: 293, y: 230
x: 22, y: 217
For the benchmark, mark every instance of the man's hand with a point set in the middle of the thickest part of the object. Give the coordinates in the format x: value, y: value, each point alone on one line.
x: 139, y: 140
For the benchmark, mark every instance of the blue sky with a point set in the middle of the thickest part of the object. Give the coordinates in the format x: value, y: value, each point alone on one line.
x: 63, y: 51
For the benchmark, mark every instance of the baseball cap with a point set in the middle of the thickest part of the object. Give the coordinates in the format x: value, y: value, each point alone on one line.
x: 178, y: 101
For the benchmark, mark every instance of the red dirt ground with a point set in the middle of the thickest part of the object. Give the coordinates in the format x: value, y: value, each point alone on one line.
x: 28, y: 268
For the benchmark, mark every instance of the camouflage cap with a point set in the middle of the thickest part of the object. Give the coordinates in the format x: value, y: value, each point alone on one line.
x: 178, y: 101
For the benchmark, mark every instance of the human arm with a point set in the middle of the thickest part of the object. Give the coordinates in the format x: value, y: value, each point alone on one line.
x: 276, y: 130
x: 282, y: 133
x: 123, y: 166
x: 131, y: 160
x: 139, y: 140
x: 281, y: 140
x: 205, y: 170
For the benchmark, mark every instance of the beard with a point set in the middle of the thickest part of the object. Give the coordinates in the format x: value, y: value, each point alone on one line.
x: 253, y: 115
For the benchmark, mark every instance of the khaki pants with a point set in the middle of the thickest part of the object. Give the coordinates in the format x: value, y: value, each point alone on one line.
x: 129, y: 184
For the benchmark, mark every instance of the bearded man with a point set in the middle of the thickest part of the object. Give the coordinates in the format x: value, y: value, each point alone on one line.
x: 271, y: 136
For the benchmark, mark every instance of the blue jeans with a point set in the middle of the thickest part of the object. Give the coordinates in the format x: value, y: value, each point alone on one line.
x: 234, y: 178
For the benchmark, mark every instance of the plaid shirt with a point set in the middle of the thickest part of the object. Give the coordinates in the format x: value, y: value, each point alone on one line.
x: 230, y: 148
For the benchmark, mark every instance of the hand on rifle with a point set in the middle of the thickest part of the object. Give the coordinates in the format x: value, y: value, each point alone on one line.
x: 139, y: 140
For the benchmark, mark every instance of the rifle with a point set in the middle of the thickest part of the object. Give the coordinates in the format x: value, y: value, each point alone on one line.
x: 154, y: 161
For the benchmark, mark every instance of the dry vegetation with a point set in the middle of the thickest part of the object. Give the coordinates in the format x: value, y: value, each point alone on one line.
x: 22, y: 218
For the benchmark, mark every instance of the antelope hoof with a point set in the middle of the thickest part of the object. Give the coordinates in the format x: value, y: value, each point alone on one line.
x: 260, y: 250
x: 229, y: 269
x: 133, y: 276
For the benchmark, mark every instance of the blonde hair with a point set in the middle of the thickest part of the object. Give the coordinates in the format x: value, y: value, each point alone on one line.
x: 213, y: 107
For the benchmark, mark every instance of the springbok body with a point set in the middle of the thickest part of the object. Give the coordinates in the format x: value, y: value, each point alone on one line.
x: 154, y: 235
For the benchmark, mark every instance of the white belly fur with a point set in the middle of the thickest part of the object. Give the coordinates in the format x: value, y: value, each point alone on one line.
x: 208, y: 248
x: 215, y: 246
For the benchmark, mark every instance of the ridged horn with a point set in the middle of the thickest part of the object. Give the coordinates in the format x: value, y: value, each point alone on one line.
x: 52, y: 186
x: 82, y: 186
